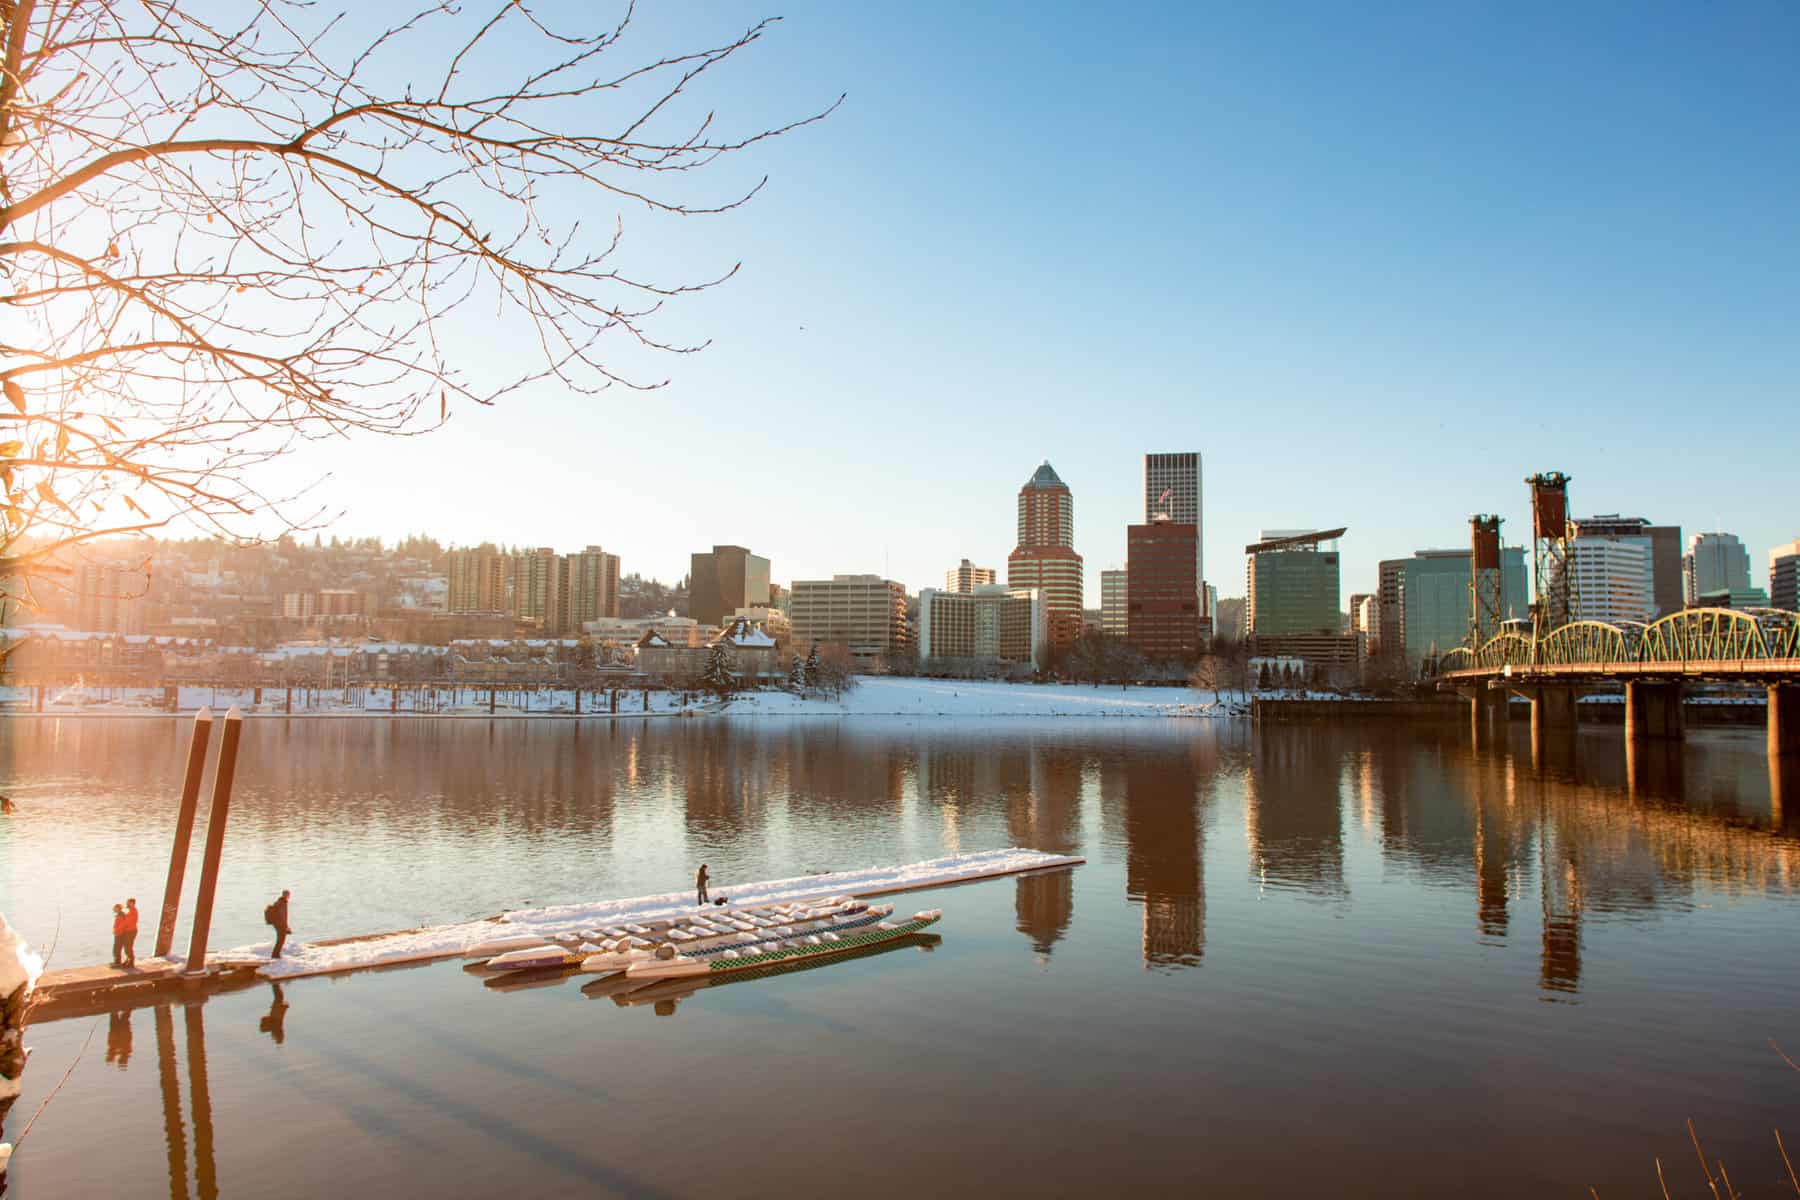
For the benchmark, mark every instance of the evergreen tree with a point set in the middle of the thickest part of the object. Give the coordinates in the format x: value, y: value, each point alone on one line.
x: 718, y: 676
x: 1262, y: 677
x: 812, y: 666
x: 797, y: 675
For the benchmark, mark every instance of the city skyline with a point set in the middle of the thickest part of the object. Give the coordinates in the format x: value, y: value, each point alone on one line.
x: 1541, y: 253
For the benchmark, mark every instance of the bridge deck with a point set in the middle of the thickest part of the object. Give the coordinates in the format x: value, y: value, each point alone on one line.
x: 1747, y: 670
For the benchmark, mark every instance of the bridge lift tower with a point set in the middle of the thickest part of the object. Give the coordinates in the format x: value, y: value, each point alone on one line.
x: 1486, y: 608
x: 1552, y: 538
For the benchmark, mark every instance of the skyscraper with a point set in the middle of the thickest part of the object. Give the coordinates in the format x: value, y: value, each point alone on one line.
x: 539, y: 588
x: 593, y: 577
x: 1662, y: 544
x: 1045, y: 557
x: 1172, y: 493
x: 1163, y: 589
x: 1292, y: 584
x: 725, y: 580
x: 478, y: 580
x: 1714, y: 562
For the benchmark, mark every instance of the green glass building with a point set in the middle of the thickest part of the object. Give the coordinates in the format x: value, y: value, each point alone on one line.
x: 1292, y: 585
x: 1434, y: 599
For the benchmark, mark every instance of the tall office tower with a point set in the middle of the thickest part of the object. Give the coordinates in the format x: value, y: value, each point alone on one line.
x: 725, y: 580
x: 540, y: 588
x: 478, y: 580
x: 1784, y: 576
x: 1045, y: 557
x: 1436, y: 604
x: 1614, y: 579
x: 965, y: 577
x: 110, y: 597
x: 1172, y: 493
x: 1661, y: 542
x: 1714, y: 562
x: 593, y: 576
x: 1163, y: 608
x: 1292, y: 583
x: 1114, y: 592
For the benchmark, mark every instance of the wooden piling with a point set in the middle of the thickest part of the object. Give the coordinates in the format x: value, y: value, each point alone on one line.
x: 184, y: 831
x: 215, y: 840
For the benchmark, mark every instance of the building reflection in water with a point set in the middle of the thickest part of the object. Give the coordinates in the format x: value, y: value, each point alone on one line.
x: 1045, y: 818
x: 1162, y: 795
x: 1293, y: 814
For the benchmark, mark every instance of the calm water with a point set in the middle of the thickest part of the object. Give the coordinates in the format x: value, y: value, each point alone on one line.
x: 1338, y: 961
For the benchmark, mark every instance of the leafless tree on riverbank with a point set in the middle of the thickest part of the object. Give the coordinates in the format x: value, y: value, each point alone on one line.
x: 220, y: 241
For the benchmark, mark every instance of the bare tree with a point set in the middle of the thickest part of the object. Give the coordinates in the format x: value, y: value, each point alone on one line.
x: 219, y: 241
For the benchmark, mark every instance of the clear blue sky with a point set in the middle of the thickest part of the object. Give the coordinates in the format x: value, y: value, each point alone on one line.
x: 1376, y: 263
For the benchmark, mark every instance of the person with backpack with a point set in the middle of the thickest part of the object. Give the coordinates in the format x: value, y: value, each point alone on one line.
x: 277, y: 916
x: 700, y: 878
x: 118, y: 935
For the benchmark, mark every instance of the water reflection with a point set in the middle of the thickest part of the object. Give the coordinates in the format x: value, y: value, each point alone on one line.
x: 1553, y: 832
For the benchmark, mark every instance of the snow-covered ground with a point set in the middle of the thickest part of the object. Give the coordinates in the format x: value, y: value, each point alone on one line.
x: 336, y: 702
x: 887, y: 696
x: 445, y: 941
x: 18, y: 963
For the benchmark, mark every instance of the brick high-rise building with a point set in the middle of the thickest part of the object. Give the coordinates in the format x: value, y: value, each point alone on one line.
x: 1163, y: 589
x: 1045, y: 557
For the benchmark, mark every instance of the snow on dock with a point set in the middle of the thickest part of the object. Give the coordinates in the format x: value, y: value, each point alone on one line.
x: 447, y: 941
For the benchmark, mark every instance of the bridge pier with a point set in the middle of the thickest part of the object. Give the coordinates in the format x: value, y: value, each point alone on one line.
x: 1652, y: 709
x: 1784, y: 720
x: 1552, y: 709
x: 1487, y: 713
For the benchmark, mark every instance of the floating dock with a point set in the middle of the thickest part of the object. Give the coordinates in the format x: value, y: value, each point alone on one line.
x: 94, y: 989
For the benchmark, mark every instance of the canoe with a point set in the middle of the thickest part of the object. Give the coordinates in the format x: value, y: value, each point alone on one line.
x: 532, y: 958
x: 644, y: 950
x: 787, y: 950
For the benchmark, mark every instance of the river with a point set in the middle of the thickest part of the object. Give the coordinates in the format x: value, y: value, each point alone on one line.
x: 1322, y: 960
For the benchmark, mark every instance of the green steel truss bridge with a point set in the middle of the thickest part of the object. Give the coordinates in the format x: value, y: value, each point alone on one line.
x: 1552, y: 669
x: 1759, y: 645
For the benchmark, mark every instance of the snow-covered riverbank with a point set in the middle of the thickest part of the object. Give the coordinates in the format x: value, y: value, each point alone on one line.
x: 887, y: 696
x: 884, y: 696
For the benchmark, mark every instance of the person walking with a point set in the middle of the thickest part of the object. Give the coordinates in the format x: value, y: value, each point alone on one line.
x: 131, y: 930
x: 277, y: 916
x: 700, y: 878
x: 118, y: 935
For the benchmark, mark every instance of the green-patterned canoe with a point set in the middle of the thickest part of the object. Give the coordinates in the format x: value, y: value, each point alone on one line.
x: 795, y: 950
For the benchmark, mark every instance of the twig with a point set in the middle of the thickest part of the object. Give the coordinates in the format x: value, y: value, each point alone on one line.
x: 1784, y: 1054
x: 1792, y: 1178
x: 1664, y: 1183
x: 26, y: 1132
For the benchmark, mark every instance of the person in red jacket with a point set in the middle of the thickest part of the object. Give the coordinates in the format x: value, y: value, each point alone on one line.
x: 131, y: 928
x: 118, y: 935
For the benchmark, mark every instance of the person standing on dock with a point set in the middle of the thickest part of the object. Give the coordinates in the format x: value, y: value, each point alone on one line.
x: 118, y: 935
x: 131, y: 930
x: 700, y: 884
x: 277, y: 916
